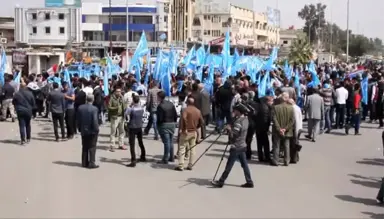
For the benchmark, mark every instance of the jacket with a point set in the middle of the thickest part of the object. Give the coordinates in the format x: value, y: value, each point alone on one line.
x: 87, y: 120
x: 315, y: 107
x: 166, y: 113
x: 191, y: 119
x: 99, y: 98
x: 263, y: 117
x: 152, y: 99
x: 24, y: 102
x: 56, y: 101
x: 116, y: 106
x: 135, y: 115
x: 283, y: 118
x: 238, y: 133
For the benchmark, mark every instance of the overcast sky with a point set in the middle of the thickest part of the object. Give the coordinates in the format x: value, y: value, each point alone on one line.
x: 366, y: 16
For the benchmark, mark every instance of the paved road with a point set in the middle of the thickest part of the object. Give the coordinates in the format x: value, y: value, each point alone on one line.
x: 338, y: 177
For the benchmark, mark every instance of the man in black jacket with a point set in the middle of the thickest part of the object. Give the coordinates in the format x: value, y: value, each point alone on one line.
x: 99, y: 101
x: 89, y: 128
x: 264, y: 121
x: 223, y: 99
x: 24, y: 103
x: 166, y: 124
x: 56, y: 101
x: 205, y: 109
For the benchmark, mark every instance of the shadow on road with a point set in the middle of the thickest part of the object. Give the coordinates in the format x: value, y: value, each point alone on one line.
x: 67, y: 163
x: 113, y: 161
x: 156, y: 165
x: 370, y: 182
x: 373, y: 161
x: 365, y: 201
x: 203, y: 182
x: 10, y: 141
x: 374, y: 215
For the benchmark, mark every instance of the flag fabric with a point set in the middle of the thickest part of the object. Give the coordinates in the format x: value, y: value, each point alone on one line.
x: 3, y: 66
x: 141, y: 50
x: 52, y: 70
x: 364, y: 90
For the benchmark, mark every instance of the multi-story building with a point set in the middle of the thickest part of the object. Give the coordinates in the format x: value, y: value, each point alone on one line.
x: 7, y: 32
x: 182, y: 18
x: 286, y: 39
x: 105, y: 26
x: 247, y: 28
x: 48, y: 26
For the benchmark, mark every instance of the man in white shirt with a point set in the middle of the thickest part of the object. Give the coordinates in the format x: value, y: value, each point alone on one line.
x: 341, y: 98
x: 88, y: 90
x: 128, y: 100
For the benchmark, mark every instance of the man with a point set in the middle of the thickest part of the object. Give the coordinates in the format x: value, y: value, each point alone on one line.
x: 282, y: 129
x: 263, y: 119
x: 99, y: 100
x: 356, y: 111
x: 128, y: 96
x: 295, y: 146
x: 151, y: 105
x: 24, y: 103
x: 237, y: 134
x: 88, y: 90
x: 315, y: 111
x: 89, y: 128
x: 7, y: 95
x: 341, y: 98
x: 69, y: 110
x: 135, y: 125
x: 166, y: 122
x: 327, y: 93
x: 116, y: 110
x: 205, y: 109
x: 191, y: 120
x: 56, y: 101
x: 289, y: 89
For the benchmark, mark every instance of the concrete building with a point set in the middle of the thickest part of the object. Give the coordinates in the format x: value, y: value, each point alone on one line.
x: 7, y: 32
x: 247, y: 28
x: 182, y: 12
x: 48, y: 26
x: 287, y: 37
x: 99, y: 35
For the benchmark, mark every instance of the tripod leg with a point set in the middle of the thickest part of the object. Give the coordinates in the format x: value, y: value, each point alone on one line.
x: 222, y: 158
x: 199, y: 143
x: 206, y: 150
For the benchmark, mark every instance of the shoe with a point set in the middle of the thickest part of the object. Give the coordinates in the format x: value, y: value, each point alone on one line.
x: 22, y: 143
x: 93, y: 166
x: 217, y: 184
x: 381, y: 201
x: 143, y: 160
x: 111, y: 149
x: 313, y: 140
x: 189, y: 168
x: 186, y: 158
x: 132, y: 164
x: 70, y: 137
x: 28, y: 141
x: 175, y: 157
x: 156, y: 138
x: 328, y: 131
x: 307, y: 136
x: 122, y: 148
x: 247, y: 185
x: 179, y: 169
x: 57, y: 140
x: 162, y: 162
x: 274, y: 163
x: 13, y: 119
x: 286, y: 164
x: 356, y: 133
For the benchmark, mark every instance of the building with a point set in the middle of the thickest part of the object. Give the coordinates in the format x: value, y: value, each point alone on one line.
x: 56, y: 27
x: 99, y: 35
x: 287, y: 37
x: 182, y: 12
x: 7, y: 32
x: 247, y: 28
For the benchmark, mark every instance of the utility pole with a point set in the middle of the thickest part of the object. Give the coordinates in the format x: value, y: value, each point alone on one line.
x: 127, y: 37
x: 347, y: 30
x: 110, y: 27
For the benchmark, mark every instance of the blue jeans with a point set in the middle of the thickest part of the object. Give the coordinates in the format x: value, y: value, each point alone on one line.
x: 167, y: 140
x: 327, y: 118
x: 225, y: 117
x: 233, y: 156
x: 356, y: 117
x: 152, y: 122
x: 24, y: 126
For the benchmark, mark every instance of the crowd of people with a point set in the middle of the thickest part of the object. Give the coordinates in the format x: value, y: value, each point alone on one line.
x: 233, y: 106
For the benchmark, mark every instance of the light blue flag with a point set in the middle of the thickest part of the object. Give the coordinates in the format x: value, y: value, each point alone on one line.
x: 272, y: 58
x: 67, y: 77
x: 3, y: 66
x: 149, y: 68
x: 263, y: 85
x: 136, y: 61
x: 315, y: 79
x: 364, y: 90
x: 287, y: 70
x: 207, y: 55
x: 156, y: 69
x: 297, y: 83
x: 190, y: 55
x: 226, y: 53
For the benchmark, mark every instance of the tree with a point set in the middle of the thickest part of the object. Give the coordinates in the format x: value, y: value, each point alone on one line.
x: 300, y: 51
x: 314, y: 17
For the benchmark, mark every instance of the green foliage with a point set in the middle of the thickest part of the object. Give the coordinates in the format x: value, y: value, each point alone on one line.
x: 300, y: 51
x: 314, y: 17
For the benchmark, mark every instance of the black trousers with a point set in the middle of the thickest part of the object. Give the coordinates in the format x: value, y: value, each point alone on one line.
x: 340, y: 114
x: 58, y: 118
x: 70, y: 122
x: 204, y: 127
x: 248, y: 141
x: 136, y: 132
x: 379, y: 112
x: 348, y: 112
x: 47, y: 110
x: 40, y: 106
x: 263, y: 148
x: 88, y: 156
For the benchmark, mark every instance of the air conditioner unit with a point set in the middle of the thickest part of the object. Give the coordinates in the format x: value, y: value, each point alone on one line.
x: 3, y: 40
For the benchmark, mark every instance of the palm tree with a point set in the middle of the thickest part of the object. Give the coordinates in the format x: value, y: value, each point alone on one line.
x: 300, y: 51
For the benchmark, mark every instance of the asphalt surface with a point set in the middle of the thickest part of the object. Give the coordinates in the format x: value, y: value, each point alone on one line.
x: 337, y: 177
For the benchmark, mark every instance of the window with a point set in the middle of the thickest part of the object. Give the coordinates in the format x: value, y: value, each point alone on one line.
x: 61, y: 16
x: 34, y: 16
x: 34, y: 30
x: 207, y: 32
x: 61, y: 30
x: 47, y: 30
x: 216, y: 19
x: 47, y: 16
x: 285, y: 42
x: 166, y: 19
x: 216, y: 33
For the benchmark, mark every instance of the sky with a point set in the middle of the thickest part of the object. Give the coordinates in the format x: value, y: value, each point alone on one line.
x: 366, y: 16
